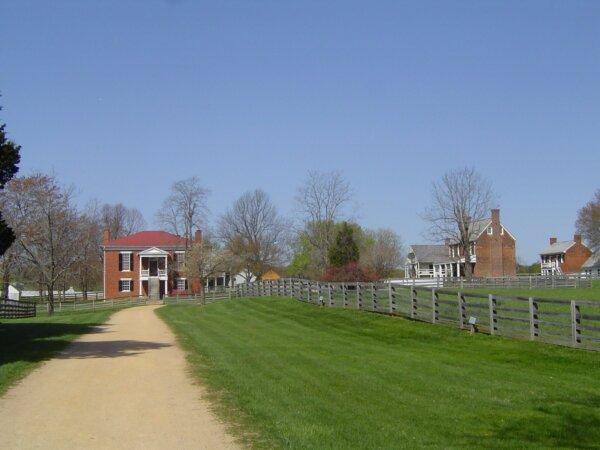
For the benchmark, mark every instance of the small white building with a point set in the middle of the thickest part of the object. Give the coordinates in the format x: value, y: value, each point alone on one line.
x: 592, y: 266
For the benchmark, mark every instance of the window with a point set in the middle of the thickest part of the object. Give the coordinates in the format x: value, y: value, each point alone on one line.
x: 181, y: 284
x: 125, y: 285
x: 179, y: 260
x: 490, y: 231
x: 125, y: 262
x: 502, y: 231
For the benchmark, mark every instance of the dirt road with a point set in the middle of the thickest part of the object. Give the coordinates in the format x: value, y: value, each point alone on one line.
x: 125, y: 386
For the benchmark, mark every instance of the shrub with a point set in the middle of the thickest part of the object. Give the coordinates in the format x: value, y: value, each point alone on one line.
x: 349, y: 272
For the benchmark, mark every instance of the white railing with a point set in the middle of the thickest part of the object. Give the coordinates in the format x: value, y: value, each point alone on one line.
x: 146, y: 273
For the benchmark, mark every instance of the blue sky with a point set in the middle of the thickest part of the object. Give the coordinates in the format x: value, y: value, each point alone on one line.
x: 121, y: 98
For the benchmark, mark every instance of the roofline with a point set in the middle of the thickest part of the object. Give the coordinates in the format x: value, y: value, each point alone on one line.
x: 559, y: 253
x: 142, y: 247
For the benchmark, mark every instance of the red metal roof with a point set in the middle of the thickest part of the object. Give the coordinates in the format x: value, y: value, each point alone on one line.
x: 148, y: 239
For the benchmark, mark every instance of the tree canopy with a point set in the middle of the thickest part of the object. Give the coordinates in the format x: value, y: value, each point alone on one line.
x: 345, y: 249
x: 9, y: 160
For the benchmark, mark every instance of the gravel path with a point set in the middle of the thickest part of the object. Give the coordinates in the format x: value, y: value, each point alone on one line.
x: 125, y: 386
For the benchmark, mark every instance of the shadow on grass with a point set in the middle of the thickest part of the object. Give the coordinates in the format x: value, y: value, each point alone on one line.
x: 552, y: 423
x: 34, y: 342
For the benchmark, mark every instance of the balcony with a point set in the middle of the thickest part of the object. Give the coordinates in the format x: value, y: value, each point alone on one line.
x: 147, y: 273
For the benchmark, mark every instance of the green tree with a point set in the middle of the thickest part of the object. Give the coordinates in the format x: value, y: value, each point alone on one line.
x: 9, y: 158
x: 345, y: 249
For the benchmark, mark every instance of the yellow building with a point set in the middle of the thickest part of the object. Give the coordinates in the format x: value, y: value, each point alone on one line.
x: 270, y: 275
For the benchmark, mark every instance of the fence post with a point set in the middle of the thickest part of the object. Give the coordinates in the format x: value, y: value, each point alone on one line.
x: 461, y: 310
x: 575, y: 324
x: 330, y: 297
x: 435, y: 306
x: 319, y: 293
x: 534, y: 323
x: 358, y: 296
x: 345, y: 294
x: 392, y: 298
x: 374, y: 296
x: 493, y: 314
x: 413, y: 302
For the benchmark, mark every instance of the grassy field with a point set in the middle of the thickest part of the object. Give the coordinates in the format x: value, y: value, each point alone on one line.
x: 592, y: 293
x: 291, y: 375
x: 28, y: 342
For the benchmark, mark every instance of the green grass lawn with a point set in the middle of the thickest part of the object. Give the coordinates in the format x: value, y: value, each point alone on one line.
x: 591, y: 293
x: 28, y: 342
x: 287, y: 374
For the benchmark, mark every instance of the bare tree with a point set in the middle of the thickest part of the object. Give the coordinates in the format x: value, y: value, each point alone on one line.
x: 383, y: 251
x: 321, y: 201
x: 46, y: 227
x: 120, y: 220
x: 254, y: 233
x: 205, y: 259
x: 184, y: 210
x: 588, y: 222
x: 460, y: 200
x: 88, y: 267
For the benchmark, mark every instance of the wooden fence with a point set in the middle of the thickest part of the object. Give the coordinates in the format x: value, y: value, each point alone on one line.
x: 519, y: 281
x: 209, y: 295
x: 16, y: 309
x: 574, y: 323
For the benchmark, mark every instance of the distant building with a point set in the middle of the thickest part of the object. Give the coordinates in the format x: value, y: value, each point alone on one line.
x: 146, y: 264
x: 492, y: 254
x: 592, y: 265
x: 564, y: 256
x: 270, y: 275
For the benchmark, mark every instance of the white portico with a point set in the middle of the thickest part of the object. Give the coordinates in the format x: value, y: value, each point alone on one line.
x: 154, y: 271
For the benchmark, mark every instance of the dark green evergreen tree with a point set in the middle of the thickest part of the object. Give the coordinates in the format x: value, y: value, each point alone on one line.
x: 9, y: 158
x: 344, y: 250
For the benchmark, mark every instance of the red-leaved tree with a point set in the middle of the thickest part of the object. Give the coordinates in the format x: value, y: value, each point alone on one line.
x: 350, y: 272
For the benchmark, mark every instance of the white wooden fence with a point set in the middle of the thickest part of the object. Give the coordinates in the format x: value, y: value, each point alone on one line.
x: 574, y: 323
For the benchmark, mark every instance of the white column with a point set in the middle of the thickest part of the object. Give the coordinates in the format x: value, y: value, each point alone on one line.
x: 140, y: 274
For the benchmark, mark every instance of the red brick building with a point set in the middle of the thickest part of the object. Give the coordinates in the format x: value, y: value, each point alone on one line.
x: 493, y: 254
x: 564, y: 256
x: 146, y: 264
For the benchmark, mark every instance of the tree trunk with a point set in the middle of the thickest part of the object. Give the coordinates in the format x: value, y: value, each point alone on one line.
x: 5, y: 279
x: 468, y: 266
x: 50, y: 299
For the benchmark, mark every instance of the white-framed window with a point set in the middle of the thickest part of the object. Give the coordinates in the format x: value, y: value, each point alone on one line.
x: 490, y: 230
x: 181, y: 284
x: 179, y: 259
x: 125, y: 285
x: 125, y: 261
x: 502, y: 231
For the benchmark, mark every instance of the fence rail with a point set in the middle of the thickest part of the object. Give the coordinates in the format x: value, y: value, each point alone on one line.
x: 16, y: 309
x: 574, y: 323
x: 519, y: 281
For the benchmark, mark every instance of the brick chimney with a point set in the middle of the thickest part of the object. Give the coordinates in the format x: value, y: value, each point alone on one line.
x: 105, y: 236
x: 577, y: 238
x: 496, y: 216
x: 198, y: 236
x: 552, y: 240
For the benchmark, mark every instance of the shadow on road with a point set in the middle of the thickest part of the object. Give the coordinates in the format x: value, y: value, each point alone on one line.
x: 108, y: 349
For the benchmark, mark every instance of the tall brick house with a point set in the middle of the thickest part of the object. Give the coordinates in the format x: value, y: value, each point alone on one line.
x: 564, y: 256
x: 493, y: 254
x: 146, y: 264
